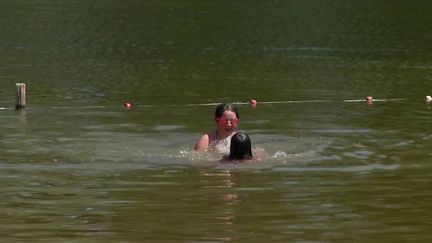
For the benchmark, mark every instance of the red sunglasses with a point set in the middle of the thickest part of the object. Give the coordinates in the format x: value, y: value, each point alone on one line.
x: 225, y: 120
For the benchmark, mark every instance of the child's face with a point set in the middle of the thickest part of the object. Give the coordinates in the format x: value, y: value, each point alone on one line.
x: 228, y: 121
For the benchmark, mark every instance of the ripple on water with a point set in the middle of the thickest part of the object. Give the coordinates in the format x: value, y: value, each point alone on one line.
x: 345, y: 169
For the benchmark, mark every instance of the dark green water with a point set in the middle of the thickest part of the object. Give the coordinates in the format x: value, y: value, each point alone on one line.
x: 76, y: 166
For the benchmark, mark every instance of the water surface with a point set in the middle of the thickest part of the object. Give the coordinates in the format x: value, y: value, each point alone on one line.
x: 76, y: 166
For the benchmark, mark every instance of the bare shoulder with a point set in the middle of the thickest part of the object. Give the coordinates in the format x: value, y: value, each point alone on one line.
x: 205, y: 141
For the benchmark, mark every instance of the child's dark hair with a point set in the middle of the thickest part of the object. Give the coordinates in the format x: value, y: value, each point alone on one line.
x: 240, y: 147
x: 221, y: 108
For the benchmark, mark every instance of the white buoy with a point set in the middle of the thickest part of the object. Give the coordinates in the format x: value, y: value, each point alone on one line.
x: 428, y: 99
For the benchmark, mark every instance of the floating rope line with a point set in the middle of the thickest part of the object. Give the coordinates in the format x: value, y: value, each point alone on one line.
x: 129, y: 105
x: 282, y: 102
x: 81, y: 107
x: 59, y: 107
x: 21, y: 94
x: 293, y: 101
x: 382, y: 100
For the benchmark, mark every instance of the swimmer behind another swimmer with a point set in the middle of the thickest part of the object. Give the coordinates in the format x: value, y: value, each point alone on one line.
x: 226, y: 118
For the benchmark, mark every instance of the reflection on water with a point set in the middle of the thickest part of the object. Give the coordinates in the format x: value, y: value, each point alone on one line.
x: 105, y: 175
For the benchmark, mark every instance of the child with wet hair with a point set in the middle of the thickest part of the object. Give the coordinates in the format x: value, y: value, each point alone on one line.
x: 240, y: 149
x: 227, y: 119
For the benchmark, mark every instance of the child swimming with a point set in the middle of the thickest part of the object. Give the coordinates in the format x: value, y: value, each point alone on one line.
x: 226, y: 118
x: 240, y: 149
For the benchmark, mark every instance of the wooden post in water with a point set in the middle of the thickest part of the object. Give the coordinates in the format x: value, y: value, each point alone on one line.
x: 21, y: 95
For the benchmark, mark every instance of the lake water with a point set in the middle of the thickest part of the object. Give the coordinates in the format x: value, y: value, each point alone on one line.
x: 76, y: 166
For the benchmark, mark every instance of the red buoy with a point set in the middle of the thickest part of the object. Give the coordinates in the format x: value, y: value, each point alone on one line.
x: 128, y: 105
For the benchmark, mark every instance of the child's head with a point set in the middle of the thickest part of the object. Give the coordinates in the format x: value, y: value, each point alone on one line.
x: 221, y: 108
x: 240, y: 147
x: 227, y: 117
